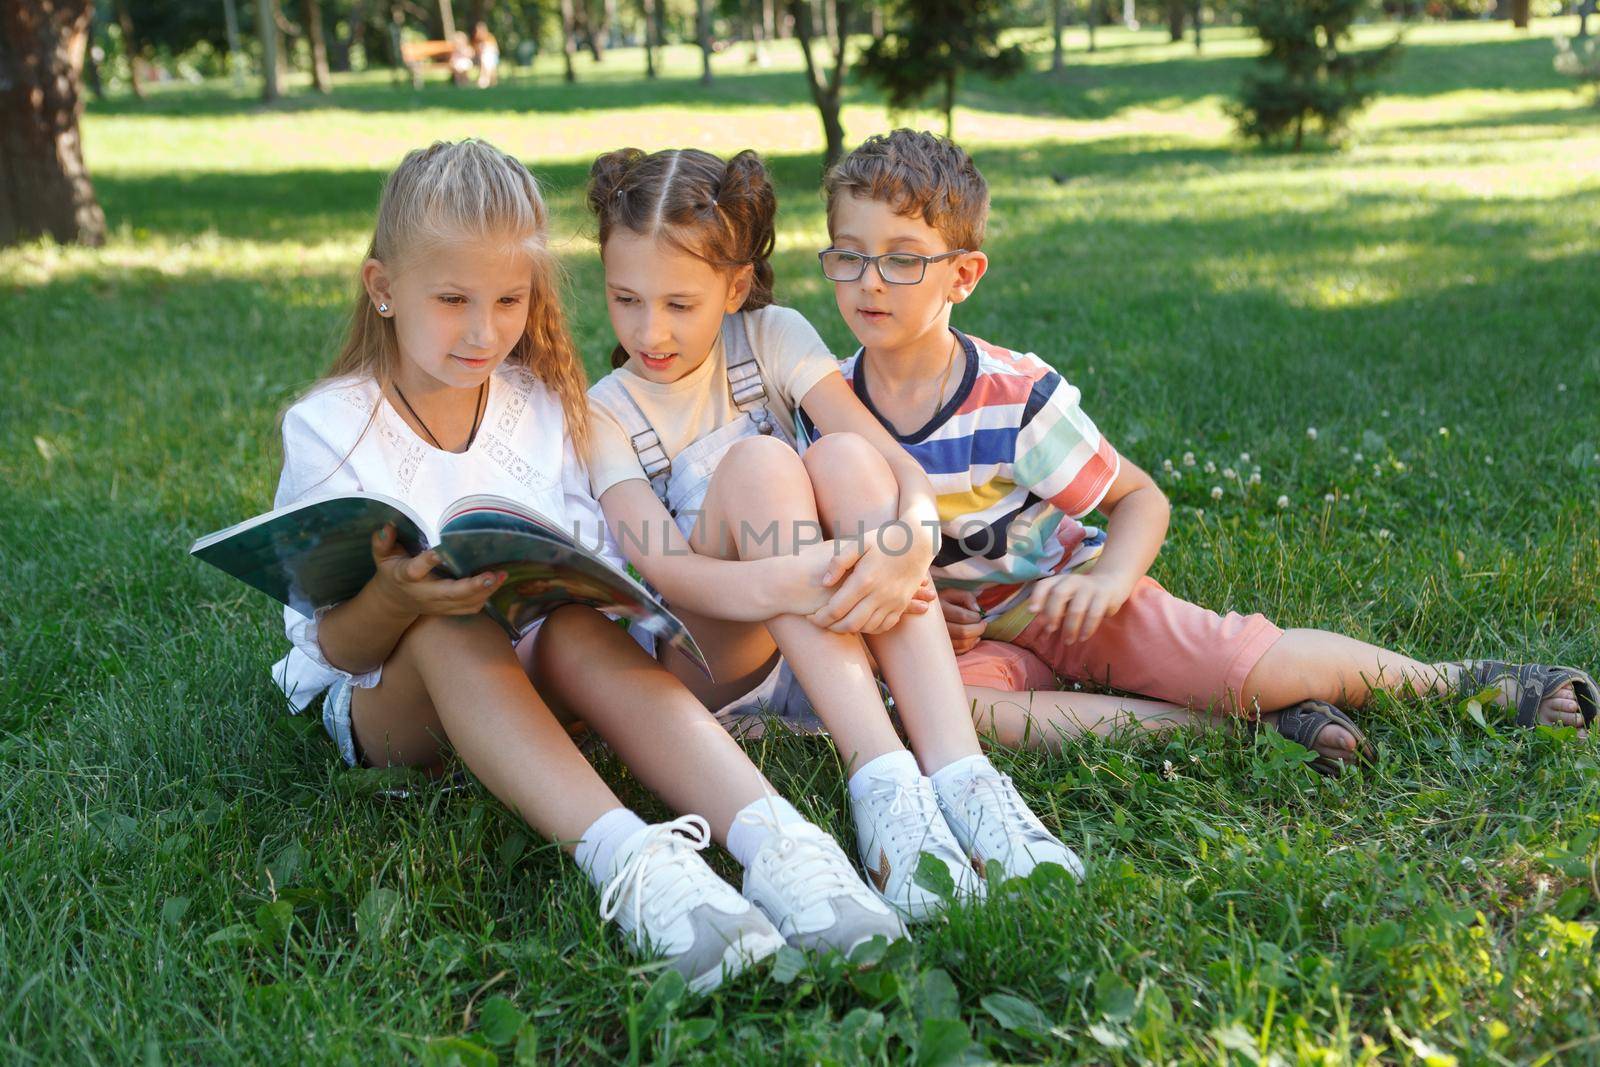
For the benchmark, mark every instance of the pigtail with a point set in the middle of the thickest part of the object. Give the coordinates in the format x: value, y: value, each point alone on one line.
x: 746, y: 197
x: 606, y: 178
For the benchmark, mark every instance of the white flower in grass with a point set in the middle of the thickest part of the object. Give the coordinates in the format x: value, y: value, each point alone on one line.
x: 1384, y: 413
x: 1166, y: 465
x: 1358, y: 457
x: 1384, y: 535
x: 1328, y: 498
x: 1210, y: 467
x: 1216, y: 492
x: 1244, y: 457
x: 1229, y: 473
x: 1283, y: 501
x: 1311, y: 432
x: 1561, y: 387
x: 1255, y: 478
x: 1188, y: 459
x: 1199, y: 513
x: 1444, y: 431
x: 1176, y: 476
x: 1488, y: 461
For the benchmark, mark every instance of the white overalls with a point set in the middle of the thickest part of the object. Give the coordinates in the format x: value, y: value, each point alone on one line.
x: 681, y: 483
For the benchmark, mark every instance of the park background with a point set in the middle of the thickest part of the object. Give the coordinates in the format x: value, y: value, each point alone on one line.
x: 1365, y: 373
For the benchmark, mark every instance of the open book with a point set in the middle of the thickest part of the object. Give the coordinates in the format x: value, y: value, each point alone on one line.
x: 319, y: 552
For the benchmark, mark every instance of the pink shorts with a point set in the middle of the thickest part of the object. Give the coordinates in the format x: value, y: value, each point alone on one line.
x: 1156, y: 646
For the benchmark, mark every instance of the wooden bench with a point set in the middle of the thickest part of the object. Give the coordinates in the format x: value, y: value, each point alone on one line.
x: 418, y: 54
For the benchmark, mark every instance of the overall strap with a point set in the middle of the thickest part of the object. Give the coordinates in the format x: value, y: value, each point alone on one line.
x: 744, y: 373
x: 641, y: 435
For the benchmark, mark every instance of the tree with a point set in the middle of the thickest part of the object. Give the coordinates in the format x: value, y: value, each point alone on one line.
x: 311, y: 14
x: 932, y: 43
x: 1520, y: 12
x: 267, y: 30
x: 44, y: 185
x: 568, y: 45
x: 130, y: 46
x: 1058, y: 25
x: 825, y: 86
x: 1177, y: 12
x: 1303, y: 74
x: 702, y: 32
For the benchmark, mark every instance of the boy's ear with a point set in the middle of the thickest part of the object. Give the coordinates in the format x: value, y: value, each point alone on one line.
x: 969, y: 268
x: 740, y: 289
x: 375, y: 279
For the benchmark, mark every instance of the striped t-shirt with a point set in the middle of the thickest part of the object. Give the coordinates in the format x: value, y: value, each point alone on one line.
x: 1015, y: 463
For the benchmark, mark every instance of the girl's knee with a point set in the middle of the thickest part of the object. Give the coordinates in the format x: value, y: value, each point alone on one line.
x: 848, y: 455
x: 766, y: 456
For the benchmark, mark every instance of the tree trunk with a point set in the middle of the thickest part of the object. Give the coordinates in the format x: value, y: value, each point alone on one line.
x: 344, y: 47
x: 1520, y: 11
x: 44, y: 186
x: 1092, y: 18
x: 825, y: 92
x: 267, y: 30
x: 950, y: 104
x: 447, y: 20
x: 130, y: 47
x: 1130, y: 16
x: 702, y: 32
x: 91, y: 69
x: 758, y: 33
x: 568, y: 45
x: 311, y: 13
x: 1058, y: 15
x: 1175, y: 18
x: 647, y: 10
x: 1198, y: 14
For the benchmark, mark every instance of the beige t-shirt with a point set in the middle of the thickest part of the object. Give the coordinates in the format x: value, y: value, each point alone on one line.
x: 792, y: 358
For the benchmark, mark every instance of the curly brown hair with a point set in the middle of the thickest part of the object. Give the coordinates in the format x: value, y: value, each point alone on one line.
x: 920, y: 175
x: 720, y: 212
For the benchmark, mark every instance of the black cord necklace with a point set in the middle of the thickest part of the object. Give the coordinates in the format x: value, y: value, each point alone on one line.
x: 477, y: 417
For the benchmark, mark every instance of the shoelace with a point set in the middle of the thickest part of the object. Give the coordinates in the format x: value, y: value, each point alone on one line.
x: 1015, y: 815
x: 910, y: 808
x: 814, y: 866
x: 680, y: 839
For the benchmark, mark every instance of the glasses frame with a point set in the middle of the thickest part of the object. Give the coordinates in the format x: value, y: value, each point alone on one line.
x: 872, y: 261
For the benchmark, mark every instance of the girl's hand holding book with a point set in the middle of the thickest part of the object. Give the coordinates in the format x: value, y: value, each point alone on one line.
x: 407, y: 582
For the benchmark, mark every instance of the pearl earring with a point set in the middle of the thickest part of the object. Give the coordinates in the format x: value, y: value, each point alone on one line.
x: 383, y: 309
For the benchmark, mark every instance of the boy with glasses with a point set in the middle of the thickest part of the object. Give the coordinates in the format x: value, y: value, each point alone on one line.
x: 1029, y: 591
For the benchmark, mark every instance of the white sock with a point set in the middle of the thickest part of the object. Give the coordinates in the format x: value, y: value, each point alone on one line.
x: 747, y: 836
x: 947, y: 780
x: 597, y: 849
x: 899, y: 766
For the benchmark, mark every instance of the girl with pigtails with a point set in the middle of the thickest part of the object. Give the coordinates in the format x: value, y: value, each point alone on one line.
x: 692, y: 456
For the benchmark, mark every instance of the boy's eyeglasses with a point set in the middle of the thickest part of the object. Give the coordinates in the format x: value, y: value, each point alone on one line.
x: 895, y: 268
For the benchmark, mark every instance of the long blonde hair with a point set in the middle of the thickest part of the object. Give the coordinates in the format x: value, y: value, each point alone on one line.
x: 466, y: 190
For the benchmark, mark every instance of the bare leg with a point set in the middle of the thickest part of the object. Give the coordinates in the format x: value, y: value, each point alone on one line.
x: 459, y: 678
x: 588, y: 666
x: 1045, y: 719
x: 856, y: 492
x: 1315, y: 664
x: 759, y: 504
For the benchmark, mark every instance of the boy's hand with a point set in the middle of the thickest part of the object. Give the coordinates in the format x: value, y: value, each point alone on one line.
x: 962, y: 618
x: 1074, y: 605
x: 882, y: 587
x: 406, y: 583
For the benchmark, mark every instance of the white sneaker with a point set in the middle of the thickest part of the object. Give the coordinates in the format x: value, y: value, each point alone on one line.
x: 991, y: 821
x: 804, y: 882
x: 671, y: 904
x: 896, y: 822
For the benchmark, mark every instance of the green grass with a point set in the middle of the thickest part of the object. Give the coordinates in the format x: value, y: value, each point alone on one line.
x: 191, y: 876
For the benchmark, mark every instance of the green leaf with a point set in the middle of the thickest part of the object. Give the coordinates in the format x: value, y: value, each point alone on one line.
x: 943, y: 1041
x: 511, y: 849
x: 238, y: 933
x: 274, y: 920
x: 1114, y: 998
x: 662, y: 999
x: 457, y: 1052
x: 788, y: 964
x: 934, y: 876
x: 499, y: 1020
x: 936, y: 996
x: 377, y: 913
x: 527, y: 1053
x: 173, y: 911
x: 287, y: 864
x: 1016, y: 1014
x: 1107, y: 1036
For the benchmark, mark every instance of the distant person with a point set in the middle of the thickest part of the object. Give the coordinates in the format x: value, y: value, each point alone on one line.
x: 458, y: 376
x: 487, y: 52
x: 1029, y: 591
x: 461, y: 59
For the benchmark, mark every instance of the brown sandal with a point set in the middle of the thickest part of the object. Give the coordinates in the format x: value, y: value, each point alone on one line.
x: 1532, y: 684
x: 1304, y: 722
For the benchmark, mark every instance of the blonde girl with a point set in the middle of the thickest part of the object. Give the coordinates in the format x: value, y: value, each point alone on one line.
x: 459, y: 376
x: 693, y: 461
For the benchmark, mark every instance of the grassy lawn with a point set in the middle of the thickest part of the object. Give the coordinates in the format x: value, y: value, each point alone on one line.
x: 191, y: 876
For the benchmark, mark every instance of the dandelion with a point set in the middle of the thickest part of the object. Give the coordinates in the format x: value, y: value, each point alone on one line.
x: 1328, y: 498
x: 1488, y: 461
x: 1216, y: 492
x: 1283, y: 501
x: 1210, y: 467
x: 1199, y: 513
x: 1244, y: 457
x: 1229, y: 473
x: 1255, y: 478
x: 1188, y: 459
x: 1384, y: 535
x: 1166, y: 465
x: 1177, y: 477
x: 1311, y: 432
x: 1358, y: 457
x: 1444, y: 431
